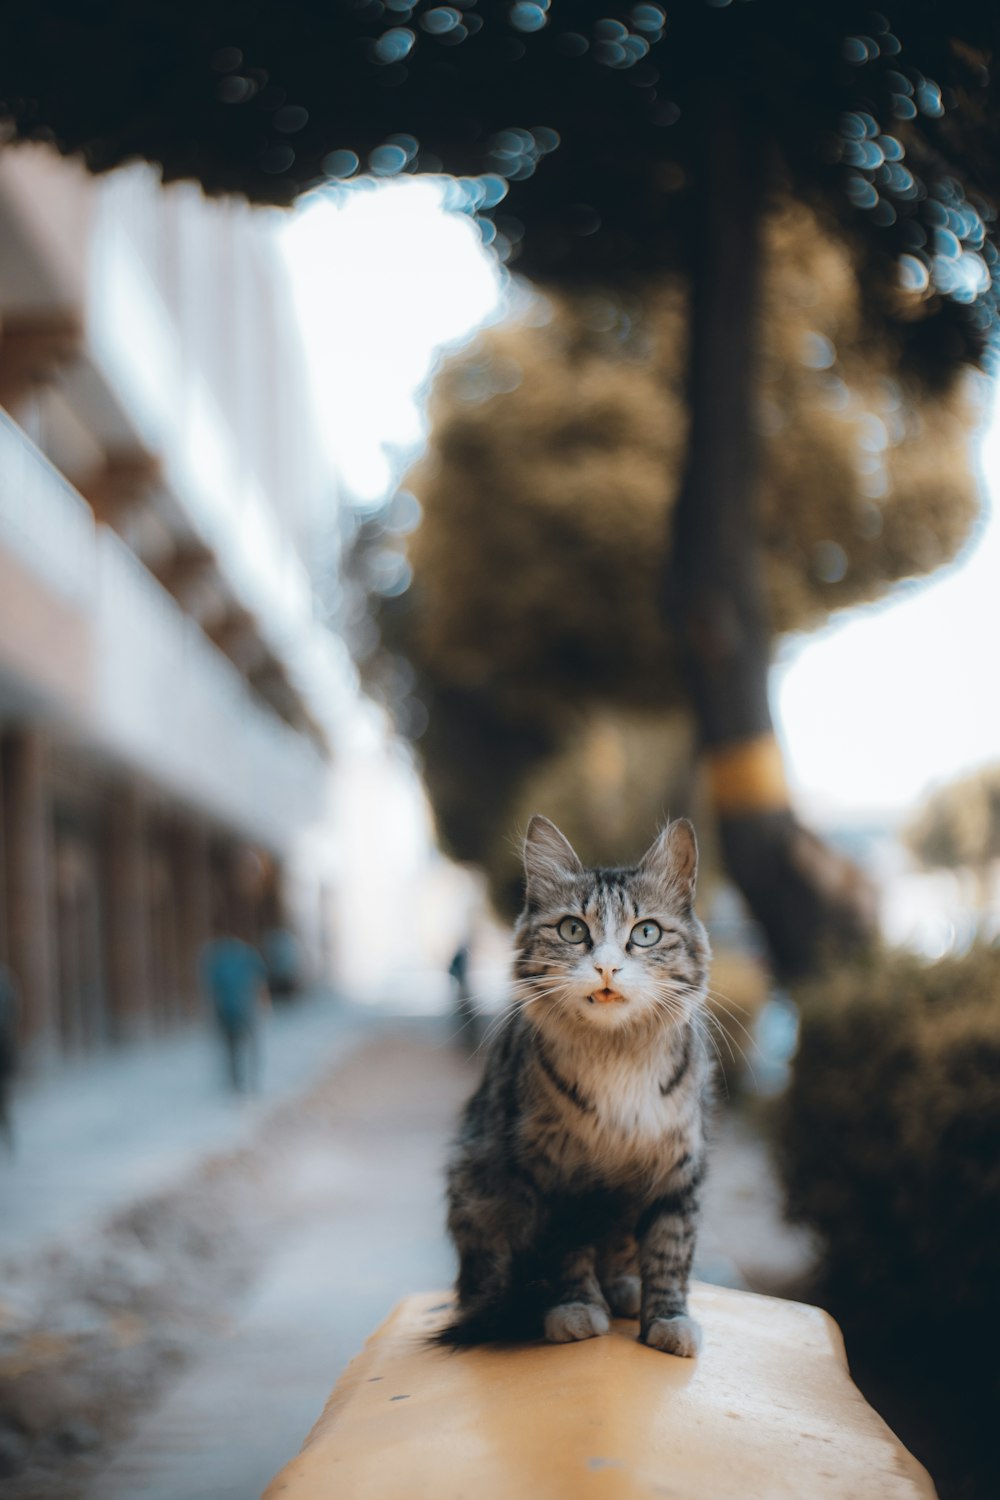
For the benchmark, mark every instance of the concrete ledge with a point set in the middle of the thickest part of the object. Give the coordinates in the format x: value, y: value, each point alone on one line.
x: 768, y: 1412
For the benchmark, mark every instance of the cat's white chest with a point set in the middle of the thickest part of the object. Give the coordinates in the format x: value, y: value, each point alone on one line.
x: 630, y: 1105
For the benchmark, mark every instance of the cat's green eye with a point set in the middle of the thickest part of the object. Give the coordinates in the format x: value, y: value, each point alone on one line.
x: 572, y: 930
x: 646, y: 934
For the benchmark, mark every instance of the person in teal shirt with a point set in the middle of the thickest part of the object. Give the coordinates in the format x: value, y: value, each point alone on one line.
x: 234, y: 980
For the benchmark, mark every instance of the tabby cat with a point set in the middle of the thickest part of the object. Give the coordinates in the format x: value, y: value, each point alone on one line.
x: 573, y: 1186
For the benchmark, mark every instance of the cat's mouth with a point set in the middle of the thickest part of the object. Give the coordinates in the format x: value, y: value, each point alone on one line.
x: 607, y: 997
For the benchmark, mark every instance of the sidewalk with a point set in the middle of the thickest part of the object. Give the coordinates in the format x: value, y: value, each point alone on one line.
x: 93, y: 1136
x: 354, y: 1220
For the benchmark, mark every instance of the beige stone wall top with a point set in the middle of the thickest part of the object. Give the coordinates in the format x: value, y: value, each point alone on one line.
x: 768, y: 1412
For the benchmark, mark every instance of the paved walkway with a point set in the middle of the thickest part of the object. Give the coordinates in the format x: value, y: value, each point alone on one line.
x: 93, y: 1137
x: 357, y: 1220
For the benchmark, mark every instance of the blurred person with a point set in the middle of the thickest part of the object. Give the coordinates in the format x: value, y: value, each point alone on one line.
x: 463, y: 1010
x: 234, y: 980
x: 8, y: 1051
x: 283, y: 960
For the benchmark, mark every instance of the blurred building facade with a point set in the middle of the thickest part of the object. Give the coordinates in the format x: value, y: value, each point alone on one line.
x: 169, y: 700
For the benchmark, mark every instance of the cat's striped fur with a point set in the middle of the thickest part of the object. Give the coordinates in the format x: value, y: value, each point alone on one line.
x: 573, y: 1187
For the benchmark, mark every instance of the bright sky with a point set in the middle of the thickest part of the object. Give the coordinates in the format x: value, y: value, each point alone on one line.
x: 383, y: 278
x: 885, y: 702
x: 890, y: 699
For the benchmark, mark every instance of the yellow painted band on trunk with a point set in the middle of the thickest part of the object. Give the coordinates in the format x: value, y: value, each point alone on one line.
x: 747, y: 777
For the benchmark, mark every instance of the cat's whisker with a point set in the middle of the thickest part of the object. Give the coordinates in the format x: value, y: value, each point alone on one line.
x: 676, y: 995
x: 518, y: 1003
x: 472, y: 1002
x: 727, y: 1004
x: 711, y: 1021
x: 555, y: 992
x: 539, y: 989
x: 719, y: 1002
x: 705, y: 1031
x: 533, y: 981
x: 729, y: 1000
x: 455, y: 1032
x: 674, y: 1014
x: 717, y: 1005
x: 668, y: 1000
x: 669, y: 1006
x: 494, y: 1029
x: 477, y: 1017
x: 731, y: 1042
x: 708, y: 1037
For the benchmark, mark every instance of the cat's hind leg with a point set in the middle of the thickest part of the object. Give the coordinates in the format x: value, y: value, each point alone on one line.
x: 484, y: 1272
x: 579, y: 1310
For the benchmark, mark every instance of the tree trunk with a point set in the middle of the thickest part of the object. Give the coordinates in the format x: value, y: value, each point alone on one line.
x: 805, y: 895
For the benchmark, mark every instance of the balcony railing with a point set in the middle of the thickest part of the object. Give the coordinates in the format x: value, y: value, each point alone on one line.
x: 163, y: 698
x: 43, y: 520
x: 144, y: 339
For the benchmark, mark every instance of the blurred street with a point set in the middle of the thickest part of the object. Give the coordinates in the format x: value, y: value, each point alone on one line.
x: 351, y: 1219
x: 182, y: 1347
x: 72, y: 1160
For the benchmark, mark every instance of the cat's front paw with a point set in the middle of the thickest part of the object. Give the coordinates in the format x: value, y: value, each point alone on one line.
x: 624, y: 1295
x: 575, y: 1320
x: 677, y: 1335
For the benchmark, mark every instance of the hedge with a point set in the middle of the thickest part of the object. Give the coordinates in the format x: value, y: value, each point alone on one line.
x: 889, y: 1144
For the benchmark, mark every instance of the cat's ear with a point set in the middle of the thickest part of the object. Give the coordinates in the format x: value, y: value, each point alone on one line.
x: 672, y: 859
x: 549, y: 858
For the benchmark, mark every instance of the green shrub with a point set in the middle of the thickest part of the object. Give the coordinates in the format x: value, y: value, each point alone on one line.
x: 889, y: 1143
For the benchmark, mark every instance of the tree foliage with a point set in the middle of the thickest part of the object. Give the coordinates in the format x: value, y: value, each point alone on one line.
x: 556, y: 452
x: 569, y: 467
x: 589, y: 114
x: 958, y: 827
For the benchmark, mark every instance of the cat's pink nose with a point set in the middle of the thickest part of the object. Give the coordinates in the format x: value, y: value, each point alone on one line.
x: 606, y: 972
